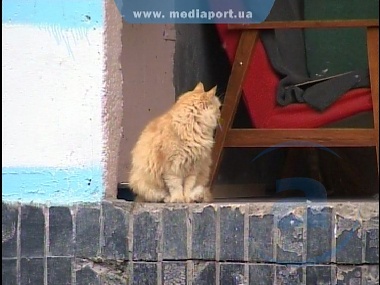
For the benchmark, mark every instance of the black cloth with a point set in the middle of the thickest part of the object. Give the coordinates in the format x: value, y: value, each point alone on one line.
x: 286, y: 51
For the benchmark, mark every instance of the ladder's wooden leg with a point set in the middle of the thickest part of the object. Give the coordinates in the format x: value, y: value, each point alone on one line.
x: 373, y: 62
x: 233, y: 93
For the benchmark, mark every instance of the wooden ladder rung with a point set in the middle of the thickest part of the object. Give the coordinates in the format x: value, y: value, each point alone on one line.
x: 326, y: 137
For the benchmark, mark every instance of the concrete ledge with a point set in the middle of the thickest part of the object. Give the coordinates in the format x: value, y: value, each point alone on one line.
x: 120, y: 242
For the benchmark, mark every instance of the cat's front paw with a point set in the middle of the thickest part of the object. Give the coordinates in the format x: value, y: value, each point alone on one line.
x: 200, y: 194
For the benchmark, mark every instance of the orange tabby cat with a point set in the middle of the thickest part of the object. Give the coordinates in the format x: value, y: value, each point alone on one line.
x: 172, y: 157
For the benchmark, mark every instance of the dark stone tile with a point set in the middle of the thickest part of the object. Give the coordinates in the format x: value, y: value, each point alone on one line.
x: 371, y: 274
x: 86, y: 276
x: 349, y: 247
x: 87, y: 232
x: 349, y: 275
x: 204, y: 273
x: 231, y: 274
x: 116, y: 277
x: 204, y: 233
x: 290, y: 242
x: 9, y: 271
x: 319, y: 274
x: 372, y: 246
x: 348, y: 241
x: 32, y: 271
x: 144, y: 273
x: 61, y: 241
x: 261, y: 230
x: 145, y: 235
x: 231, y: 234
x: 59, y: 270
x: 289, y: 275
x: 32, y: 231
x: 116, y: 222
x: 319, y: 235
x: 261, y: 274
x: 9, y: 229
x: 372, y: 241
x: 174, y: 234
x: 174, y: 273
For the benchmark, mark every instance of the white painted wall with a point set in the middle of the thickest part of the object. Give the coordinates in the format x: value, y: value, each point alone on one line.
x: 52, y: 93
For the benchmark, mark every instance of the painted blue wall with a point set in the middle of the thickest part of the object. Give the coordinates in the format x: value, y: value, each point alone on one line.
x: 52, y: 185
x: 65, y: 14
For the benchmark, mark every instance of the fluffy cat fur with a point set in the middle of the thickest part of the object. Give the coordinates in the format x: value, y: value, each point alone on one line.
x: 172, y: 157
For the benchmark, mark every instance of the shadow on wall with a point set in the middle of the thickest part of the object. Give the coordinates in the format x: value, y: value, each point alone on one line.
x: 199, y: 56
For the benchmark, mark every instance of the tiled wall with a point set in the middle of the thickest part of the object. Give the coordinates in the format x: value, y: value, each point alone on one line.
x: 129, y: 243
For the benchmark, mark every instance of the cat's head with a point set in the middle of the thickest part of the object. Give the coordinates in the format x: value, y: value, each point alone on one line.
x: 204, y: 105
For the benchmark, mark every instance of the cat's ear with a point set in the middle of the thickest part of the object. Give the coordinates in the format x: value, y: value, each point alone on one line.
x: 211, y: 93
x: 199, y: 87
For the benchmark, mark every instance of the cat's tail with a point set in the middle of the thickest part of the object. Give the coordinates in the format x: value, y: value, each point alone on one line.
x: 154, y: 196
x: 139, y: 199
x: 147, y: 193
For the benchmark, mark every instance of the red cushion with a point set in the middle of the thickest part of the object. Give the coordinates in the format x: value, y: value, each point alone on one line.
x: 260, y: 86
